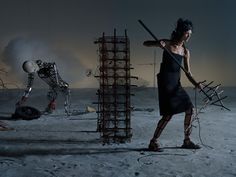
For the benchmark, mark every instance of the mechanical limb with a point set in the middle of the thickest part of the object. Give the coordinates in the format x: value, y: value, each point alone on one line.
x: 187, y: 121
x: 160, y: 126
x: 27, y: 91
x: 154, y: 146
x: 66, y: 92
x: 188, y: 144
x: 52, y: 95
x: 64, y: 87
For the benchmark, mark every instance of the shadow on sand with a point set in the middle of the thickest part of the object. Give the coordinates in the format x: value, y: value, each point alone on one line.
x: 81, y: 151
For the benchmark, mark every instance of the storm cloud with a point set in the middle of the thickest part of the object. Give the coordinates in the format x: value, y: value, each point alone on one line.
x: 21, y: 49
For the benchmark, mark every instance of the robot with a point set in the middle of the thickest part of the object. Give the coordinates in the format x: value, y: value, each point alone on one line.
x: 48, y: 73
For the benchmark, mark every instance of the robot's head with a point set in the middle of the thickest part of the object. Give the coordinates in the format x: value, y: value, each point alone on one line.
x: 30, y: 66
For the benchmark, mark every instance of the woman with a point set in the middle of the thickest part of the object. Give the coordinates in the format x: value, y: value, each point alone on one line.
x: 172, y: 97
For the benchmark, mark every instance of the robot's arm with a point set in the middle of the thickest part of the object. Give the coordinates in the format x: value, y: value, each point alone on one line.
x: 27, y: 90
x: 29, y: 85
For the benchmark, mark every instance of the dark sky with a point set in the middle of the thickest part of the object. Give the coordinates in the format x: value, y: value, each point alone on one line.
x: 64, y: 31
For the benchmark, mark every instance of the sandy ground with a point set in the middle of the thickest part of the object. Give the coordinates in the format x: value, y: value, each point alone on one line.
x: 59, y: 146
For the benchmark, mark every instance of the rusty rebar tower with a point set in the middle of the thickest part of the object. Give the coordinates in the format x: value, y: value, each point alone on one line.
x: 114, y: 92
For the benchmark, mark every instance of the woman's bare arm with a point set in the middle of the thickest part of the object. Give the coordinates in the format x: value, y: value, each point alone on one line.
x: 187, y: 68
x: 161, y: 43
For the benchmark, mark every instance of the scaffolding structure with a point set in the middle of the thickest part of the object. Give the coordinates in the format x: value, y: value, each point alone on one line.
x: 114, y: 109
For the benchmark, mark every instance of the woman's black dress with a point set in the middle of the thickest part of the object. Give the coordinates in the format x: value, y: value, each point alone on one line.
x: 172, y: 97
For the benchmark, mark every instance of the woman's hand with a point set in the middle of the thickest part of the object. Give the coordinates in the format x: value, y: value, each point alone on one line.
x: 199, y: 86
x: 162, y: 44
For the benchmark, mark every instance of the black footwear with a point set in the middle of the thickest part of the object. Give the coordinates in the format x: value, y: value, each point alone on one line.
x: 188, y: 144
x: 154, y: 146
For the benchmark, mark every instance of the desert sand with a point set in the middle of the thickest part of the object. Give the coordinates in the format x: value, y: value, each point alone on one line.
x: 60, y: 146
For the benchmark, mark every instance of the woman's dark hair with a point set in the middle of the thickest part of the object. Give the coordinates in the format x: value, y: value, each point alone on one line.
x: 181, y: 27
